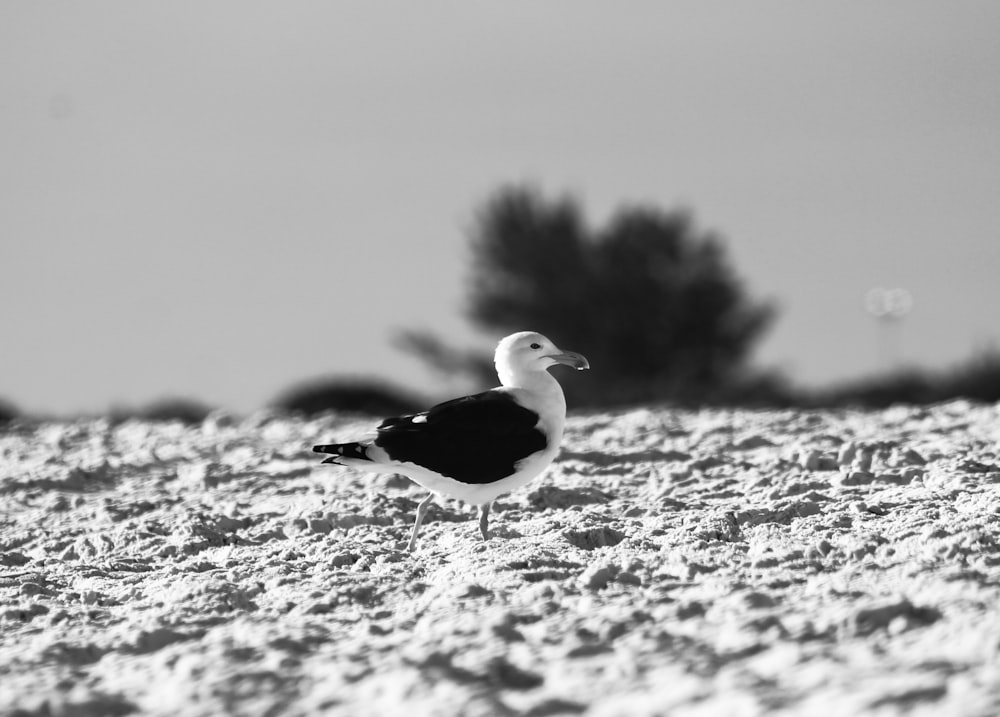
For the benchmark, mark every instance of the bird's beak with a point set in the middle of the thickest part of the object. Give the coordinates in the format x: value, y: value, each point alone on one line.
x: 571, y: 358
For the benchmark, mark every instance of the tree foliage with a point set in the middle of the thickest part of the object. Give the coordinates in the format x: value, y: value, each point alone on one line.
x: 651, y: 300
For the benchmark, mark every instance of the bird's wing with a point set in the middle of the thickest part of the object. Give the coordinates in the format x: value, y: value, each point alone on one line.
x: 475, y: 439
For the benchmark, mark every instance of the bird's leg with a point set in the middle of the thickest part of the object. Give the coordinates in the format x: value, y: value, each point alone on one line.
x: 484, y: 520
x: 421, y: 512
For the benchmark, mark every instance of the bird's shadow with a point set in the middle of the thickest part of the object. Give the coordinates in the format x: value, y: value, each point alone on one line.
x: 504, y: 531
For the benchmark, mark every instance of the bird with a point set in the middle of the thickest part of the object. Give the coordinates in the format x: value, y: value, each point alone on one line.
x: 477, y: 447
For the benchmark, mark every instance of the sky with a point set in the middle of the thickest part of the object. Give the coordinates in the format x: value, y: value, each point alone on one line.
x: 219, y: 199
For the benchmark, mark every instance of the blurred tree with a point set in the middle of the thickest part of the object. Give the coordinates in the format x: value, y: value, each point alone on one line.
x: 652, y: 302
x: 446, y: 359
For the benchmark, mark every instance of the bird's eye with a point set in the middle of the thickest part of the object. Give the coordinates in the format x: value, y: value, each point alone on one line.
x: 536, y: 346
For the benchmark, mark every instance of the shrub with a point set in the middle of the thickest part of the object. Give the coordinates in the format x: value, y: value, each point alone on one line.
x: 187, y: 411
x: 7, y: 412
x: 356, y: 396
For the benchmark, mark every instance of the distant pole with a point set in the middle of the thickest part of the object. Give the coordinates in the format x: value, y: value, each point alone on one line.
x: 889, y: 307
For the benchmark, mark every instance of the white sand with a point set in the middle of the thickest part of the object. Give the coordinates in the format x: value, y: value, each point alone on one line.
x: 670, y: 562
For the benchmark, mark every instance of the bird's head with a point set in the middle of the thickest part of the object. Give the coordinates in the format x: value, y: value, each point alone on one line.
x: 529, y: 351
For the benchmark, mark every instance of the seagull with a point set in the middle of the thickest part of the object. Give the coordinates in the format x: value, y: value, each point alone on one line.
x: 477, y: 447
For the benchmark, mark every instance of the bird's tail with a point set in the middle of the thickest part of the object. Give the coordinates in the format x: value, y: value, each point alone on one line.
x: 340, y: 451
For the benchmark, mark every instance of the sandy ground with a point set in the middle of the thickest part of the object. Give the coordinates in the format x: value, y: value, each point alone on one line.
x: 670, y: 562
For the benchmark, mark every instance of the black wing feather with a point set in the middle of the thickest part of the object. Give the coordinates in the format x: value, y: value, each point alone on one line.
x: 476, y: 439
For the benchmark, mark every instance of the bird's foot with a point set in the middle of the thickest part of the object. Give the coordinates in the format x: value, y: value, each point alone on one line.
x: 421, y: 511
x: 484, y: 521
